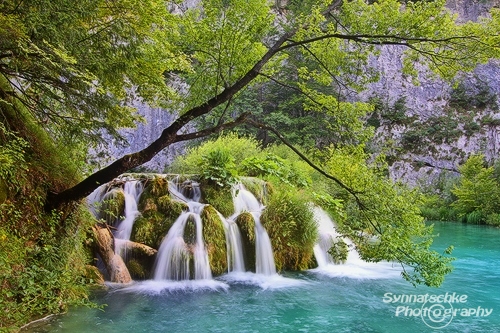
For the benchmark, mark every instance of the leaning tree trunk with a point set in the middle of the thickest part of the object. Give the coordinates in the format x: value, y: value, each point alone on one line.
x: 117, y: 270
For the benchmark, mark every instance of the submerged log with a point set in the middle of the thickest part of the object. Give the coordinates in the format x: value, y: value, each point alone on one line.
x: 117, y: 270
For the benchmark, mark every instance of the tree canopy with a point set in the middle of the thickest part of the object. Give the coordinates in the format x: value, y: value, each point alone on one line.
x: 76, y: 66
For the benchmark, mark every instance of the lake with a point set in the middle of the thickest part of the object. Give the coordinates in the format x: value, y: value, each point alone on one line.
x: 358, y: 297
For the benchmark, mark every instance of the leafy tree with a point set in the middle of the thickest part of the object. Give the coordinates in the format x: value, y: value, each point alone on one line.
x: 477, y: 191
x: 75, y: 67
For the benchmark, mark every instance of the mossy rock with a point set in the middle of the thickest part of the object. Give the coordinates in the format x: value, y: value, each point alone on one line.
x: 246, y: 224
x: 190, y: 231
x: 112, y: 206
x: 215, y: 240
x: 93, y: 275
x: 292, y: 230
x: 220, y: 198
x: 137, y: 270
x: 153, y: 189
x: 171, y: 208
x: 150, y: 228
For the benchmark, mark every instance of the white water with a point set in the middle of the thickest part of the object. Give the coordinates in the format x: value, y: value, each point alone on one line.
x: 354, y: 267
x: 234, y: 246
x: 245, y: 201
x: 132, y: 191
x: 174, y: 255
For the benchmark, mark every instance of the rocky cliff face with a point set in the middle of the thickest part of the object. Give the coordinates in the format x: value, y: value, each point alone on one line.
x: 424, y: 129
x: 433, y: 126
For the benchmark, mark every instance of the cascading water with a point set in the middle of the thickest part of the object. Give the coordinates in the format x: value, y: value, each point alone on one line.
x: 354, y: 266
x: 174, y: 256
x: 244, y: 200
x: 234, y: 247
x: 132, y: 191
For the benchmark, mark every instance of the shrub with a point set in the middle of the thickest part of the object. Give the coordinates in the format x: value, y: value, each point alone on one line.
x: 290, y: 224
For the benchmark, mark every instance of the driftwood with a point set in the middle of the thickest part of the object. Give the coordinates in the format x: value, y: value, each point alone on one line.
x: 138, y: 247
x: 117, y: 270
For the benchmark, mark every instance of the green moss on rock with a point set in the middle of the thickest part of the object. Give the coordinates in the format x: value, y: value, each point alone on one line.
x: 150, y: 228
x: 112, y: 205
x: 220, y: 198
x: 258, y: 187
x: 137, y: 270
x: 246, y: 224
x: 215, y: 240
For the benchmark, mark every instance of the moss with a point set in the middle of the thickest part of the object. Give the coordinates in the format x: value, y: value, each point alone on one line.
x: 190, y: 231
x: 153, y: 188
x: 215, y: 240
x: 171, y: 208
x: 112, y: 206
x: 292, y: 230
x: 93, y: 275
x: 136, y: 269
x: 246, y: 224
x: 150, y: 228
x: 220, y: 198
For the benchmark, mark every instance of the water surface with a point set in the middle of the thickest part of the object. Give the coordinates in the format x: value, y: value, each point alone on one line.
x: 346, y: 299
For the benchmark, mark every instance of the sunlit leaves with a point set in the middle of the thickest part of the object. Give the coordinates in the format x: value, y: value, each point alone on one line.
x: 224, y: 40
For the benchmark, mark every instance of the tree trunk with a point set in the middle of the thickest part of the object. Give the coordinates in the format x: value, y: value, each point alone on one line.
x: 140, y: 248
x: 117, y: 270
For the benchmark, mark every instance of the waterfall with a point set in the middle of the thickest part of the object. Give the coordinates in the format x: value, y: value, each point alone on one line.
x: 244, y: 200
x: 132, y: 191
x: 234, y: 246
x: 328, y: 236
x: 354, y: 266
x: 174, y: 255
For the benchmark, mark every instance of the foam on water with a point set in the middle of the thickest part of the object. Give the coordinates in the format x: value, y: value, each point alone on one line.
x: 156, y: 287
x: 274, y: 281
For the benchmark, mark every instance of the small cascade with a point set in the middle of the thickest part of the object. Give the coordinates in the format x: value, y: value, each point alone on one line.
x: 234, y: 246
x: 328, y: 236
x: 244, y: 200
x: 132, y: 191
x: 354, y: 266
x: 173, y: 261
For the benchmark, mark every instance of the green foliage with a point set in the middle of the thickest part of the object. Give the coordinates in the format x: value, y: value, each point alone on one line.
x: 222, y: 160
x: 44, y: 276
x: 392, y: 115
x: 112, y: 206
x: 238, y: 147
x: 220, y: 198
x: 387, y: 212
x: 477, y: 95
x: 218, y: 168
x: 493, y: 219
x: 339, y: 251
x: 292, y: 229
x: 80, y: 60
x: 272, y: 166
x: 477, y: 191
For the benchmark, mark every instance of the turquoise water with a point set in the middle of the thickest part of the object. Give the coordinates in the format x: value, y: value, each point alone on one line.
x: 350, y: 299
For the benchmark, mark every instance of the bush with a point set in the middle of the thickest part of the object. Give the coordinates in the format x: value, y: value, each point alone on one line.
x: 292, y: 229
